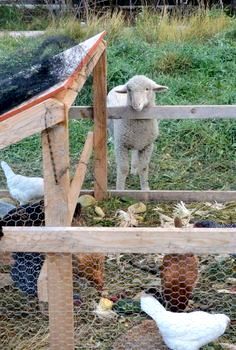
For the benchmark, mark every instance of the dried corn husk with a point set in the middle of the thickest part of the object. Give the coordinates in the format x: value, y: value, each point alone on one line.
x: 105, y: 304
x: 137, y: 208
x: 216, y: 205
x: 181, y: 211
x: 103, y: 309
x: 99, y: 211
x: 86, y: 200
x: 126, y: 219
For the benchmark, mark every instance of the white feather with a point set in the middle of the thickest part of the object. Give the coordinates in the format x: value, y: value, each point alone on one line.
x: 23, y: 188
x: 185, y: 331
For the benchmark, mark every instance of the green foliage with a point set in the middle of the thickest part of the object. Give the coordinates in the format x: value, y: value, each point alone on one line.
x: 127, y: 307
x: 8, y: 16
x: 189, y: 154
x: 197, y: 26
x: 14, y: 18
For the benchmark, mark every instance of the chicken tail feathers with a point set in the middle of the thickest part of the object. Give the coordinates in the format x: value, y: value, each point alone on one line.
x: 151, y: 306
x: 7, y: 169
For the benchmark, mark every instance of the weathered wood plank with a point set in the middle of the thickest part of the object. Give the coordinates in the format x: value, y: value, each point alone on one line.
x: 119, y: 240
x: 80, y: 173
x: 178, y: 195
x: 100, y: 128
x: 164, y: 195
x: 31, y: 121
x: 169, y: 196
x: 161, y: 112
x: 42, y: 285
x: 81, y: 112
x: 55, y: 147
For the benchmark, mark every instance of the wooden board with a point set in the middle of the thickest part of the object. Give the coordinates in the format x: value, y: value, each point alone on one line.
x: 164, y: 195
x: 161, y: 112
x: 77, y: 182
x: 31, y: 121
x: 100, y: 128
x: 86, y: 50
x: 171, y: 195
x: 55, y: 147
x: 119, y: 240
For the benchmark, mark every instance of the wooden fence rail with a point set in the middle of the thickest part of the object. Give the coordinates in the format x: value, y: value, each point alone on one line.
x: 160, y: 112
x: 172, y: 195
x: 163, y: 195
x: 119, y: 240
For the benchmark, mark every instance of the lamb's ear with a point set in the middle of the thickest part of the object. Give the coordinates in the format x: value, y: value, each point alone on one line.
x: 158, y: 88
x: 121, y: 89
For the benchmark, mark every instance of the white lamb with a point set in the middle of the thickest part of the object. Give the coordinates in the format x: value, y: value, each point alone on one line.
x: 137, y: 135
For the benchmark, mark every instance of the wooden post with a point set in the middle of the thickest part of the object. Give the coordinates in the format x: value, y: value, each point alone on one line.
x: 80, y: 173
x: 100, y: 128
x: 59, y: 266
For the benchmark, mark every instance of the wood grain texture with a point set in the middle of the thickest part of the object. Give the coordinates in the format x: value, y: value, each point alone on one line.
x: 55, y: 147
x: 161, y: 112
x: 42, y: 284
x: 143, y: 240
x: 164, y: 195
x: 100, y: 128
x: 77, y: 182
x: 171, y: 195
x: 31, y: 121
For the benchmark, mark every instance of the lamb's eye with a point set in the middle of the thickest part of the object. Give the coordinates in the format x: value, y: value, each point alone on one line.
x: 147, y: 89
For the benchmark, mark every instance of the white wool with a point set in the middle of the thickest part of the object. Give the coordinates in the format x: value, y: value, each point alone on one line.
x: 136, y: 135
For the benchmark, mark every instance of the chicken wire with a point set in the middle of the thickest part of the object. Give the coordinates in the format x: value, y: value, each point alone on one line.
x: 106, y: 289
x: 106, y: 295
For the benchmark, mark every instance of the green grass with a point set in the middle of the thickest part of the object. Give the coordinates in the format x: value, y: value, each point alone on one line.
x: 189, y: 154
x: 13, y: 18
x: 197, y: 26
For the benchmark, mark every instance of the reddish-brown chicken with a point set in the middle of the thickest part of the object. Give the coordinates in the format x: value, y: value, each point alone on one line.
x: 179, y: 273
x: 89, y: 266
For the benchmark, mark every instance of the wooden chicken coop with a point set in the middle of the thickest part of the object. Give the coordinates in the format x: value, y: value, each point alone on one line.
x: 48, y: 114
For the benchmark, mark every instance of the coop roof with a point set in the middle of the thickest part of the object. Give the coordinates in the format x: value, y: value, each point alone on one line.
x: 75, y: 59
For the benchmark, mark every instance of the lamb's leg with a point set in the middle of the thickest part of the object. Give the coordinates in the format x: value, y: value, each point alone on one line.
x: 134, y: 162
x: 122, y: 162
x: 144, y: 160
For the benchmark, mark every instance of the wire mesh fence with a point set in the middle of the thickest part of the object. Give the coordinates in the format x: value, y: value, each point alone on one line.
x: 107, y: 310
x: 107, y: 289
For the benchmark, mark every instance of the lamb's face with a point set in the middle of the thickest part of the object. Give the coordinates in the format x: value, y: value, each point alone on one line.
x: 140, y: 97
x: 141, y: 92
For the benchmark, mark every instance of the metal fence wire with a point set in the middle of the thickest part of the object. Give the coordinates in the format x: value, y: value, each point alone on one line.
x: 106, y: 295
x: 106, y: 288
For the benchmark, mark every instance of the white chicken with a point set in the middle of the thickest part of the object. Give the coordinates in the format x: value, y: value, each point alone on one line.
x: 184, y: 331
x: 23, y: 188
